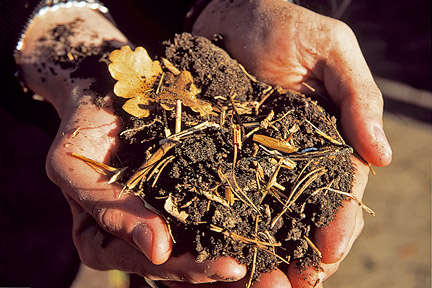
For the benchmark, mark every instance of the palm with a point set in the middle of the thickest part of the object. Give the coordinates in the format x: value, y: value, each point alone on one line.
x: 128, y: 226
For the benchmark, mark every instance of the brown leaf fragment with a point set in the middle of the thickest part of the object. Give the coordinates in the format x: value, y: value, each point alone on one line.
x: 182, y: 88
x: 171, y: 207
x: 136, y: 74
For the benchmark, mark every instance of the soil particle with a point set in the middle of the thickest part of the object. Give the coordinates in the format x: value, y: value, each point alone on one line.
x: 84, y: 61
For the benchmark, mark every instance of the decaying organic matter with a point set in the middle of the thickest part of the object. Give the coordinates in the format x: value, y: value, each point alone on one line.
x: 245, y: 169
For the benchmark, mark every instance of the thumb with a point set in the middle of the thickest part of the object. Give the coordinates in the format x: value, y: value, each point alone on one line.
x: 121, y: 214
x: 350, y: 84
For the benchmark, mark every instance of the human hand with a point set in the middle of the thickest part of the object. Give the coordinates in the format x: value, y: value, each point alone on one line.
x: 111, y: 230
x: 287, y: 45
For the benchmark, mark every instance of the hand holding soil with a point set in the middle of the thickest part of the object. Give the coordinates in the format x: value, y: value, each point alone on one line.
x: 199, y: 176
x: 285, y: 44
x: 63, y: 61
x: 112, y: 228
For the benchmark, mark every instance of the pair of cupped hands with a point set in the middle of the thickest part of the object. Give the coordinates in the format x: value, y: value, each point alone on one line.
x: 279, y: 42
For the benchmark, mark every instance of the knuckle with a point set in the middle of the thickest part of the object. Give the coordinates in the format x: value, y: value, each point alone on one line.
x: 109, y: 218
x: 342, y: 30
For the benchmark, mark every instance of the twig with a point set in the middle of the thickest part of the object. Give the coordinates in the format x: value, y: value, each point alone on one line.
x: 308, y: 86
x: 282, y: 117
x: 308, y: 179
x: 235, y: 236
x: 170, y: 67
x: 336, y: 130
x: 178, y: 116
x: 273, y: 143
x: 247, y: 74
x: 156, y: 168
x: 236, y: 113
x: 254, y: 256
x: 302, y: 171
x: 160, y: 83
x: 267, y: 93
x: 321, y: 133
x: 279, y: 186
x: 320, y: 153
x: 262, y: 125
x: 371, y: 169
x: 144, y: 168
x: 312, y: 245
x: 76, y: 132
x: 311, y: 176
x: 165, y: 163
x: 187, y: 204
x: 141, y: 127
x: 272, y: 180
x: 287, y: 163
x: 117, y: 175
x: 100, y: 167
x: 315, y: 91
x: 238, y: 193
x: 191, y: 130
x: 360, y: 203
x: 313, y: 194
x: 215, y: 198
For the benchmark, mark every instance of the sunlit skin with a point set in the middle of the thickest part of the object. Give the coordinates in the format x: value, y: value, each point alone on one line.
x: 269, y: 39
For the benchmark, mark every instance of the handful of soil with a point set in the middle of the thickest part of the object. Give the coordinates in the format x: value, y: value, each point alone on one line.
x: 236, y: 167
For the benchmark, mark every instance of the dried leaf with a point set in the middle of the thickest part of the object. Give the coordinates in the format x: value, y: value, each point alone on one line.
x: 171, y: 207
x: 136, y: 74
x: 181, y: 87
x: 139, y: 106
x: 135, y: 71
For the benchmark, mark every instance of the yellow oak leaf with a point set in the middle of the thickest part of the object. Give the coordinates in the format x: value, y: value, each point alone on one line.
x: 136, y: 74
x: 135, y: 71
x: 139, y: 106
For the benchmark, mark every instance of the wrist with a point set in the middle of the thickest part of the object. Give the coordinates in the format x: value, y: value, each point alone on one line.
x: 62, y: 53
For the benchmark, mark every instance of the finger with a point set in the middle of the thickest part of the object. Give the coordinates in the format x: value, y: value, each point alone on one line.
x: 311, y: 276
x: 103, y: 251
x: 271, y: 279
x: 92, y: 132
x: 349, y: 82
x: 335, y: 240
x: 304, y: 277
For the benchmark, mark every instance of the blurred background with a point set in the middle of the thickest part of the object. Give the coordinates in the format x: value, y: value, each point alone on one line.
x: 394, y: 249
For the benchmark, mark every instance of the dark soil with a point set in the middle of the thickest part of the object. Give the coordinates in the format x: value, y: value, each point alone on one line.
x: 285, y: 181
x: 85, y: 61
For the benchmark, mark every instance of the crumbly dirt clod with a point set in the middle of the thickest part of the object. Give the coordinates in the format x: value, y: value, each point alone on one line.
x: 262, y: 192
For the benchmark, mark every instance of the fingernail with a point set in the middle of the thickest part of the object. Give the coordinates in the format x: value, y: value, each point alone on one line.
x: 386, y: 151
x: 143, y: 239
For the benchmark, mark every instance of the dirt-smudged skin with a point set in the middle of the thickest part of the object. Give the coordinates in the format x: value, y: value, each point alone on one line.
x: 279, y: 198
